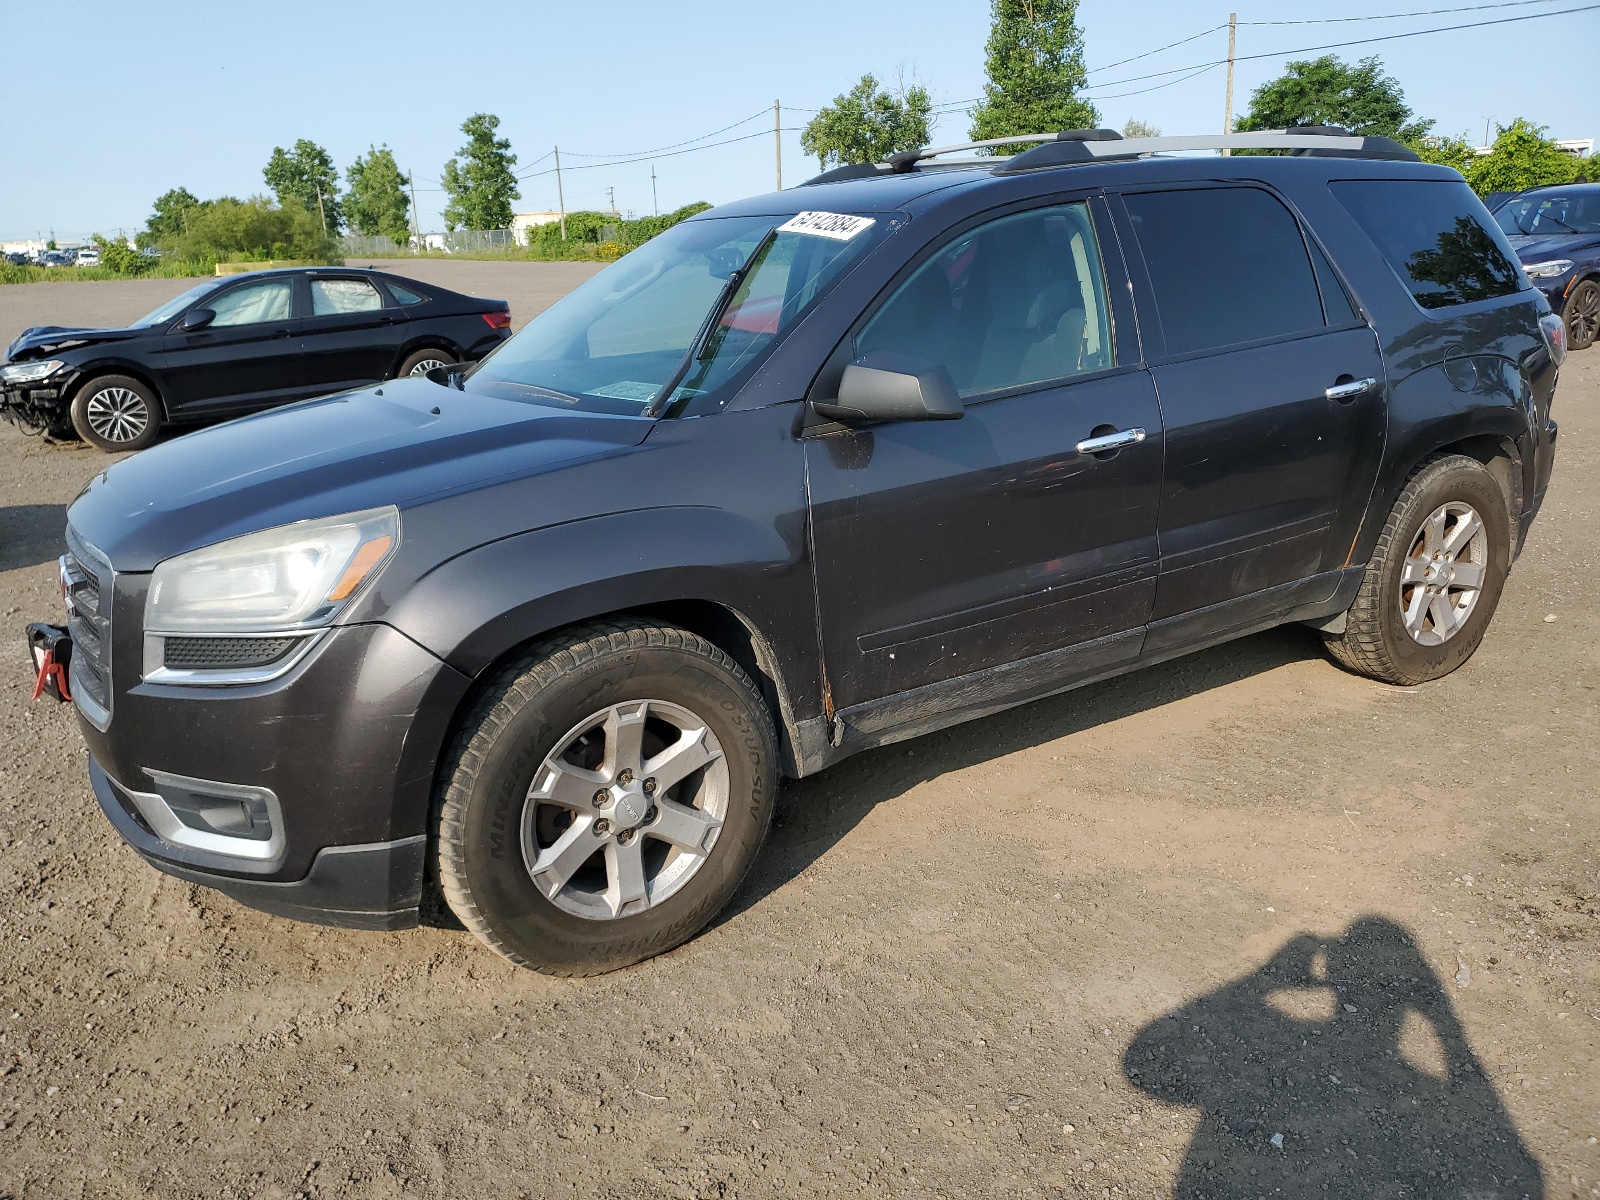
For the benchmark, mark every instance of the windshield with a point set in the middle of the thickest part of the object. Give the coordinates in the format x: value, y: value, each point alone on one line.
x: 174, y: 306
x: 1546, y: 215
x: 616, y: 343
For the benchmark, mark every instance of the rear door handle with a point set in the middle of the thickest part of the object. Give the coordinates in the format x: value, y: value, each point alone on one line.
x: 1350, y: 390
x: 1111, y: 441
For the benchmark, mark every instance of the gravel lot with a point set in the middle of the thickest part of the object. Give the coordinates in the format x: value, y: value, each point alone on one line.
x: 1241, y: 924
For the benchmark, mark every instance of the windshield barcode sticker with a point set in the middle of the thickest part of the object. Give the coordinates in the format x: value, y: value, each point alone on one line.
x: 841, y: 227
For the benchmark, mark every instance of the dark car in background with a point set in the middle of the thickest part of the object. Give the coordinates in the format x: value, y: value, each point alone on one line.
x: 239, y: 344
x: 1556, y: 233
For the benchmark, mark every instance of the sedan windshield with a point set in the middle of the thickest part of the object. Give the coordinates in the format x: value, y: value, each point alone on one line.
x: 624, y: 339
x: 1545, y: 214
x: 174, y: 306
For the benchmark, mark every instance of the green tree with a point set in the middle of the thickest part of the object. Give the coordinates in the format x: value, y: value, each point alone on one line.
x: 1328, y: 91
x: 1034, y: 60
x: 253, y: 230
x: 1446, y: 151
x: 376, y: 204
x: 1136, y: 128
x: 866, y: 125
x: 481, y: 185
x: 1522, y: 157
x: 168, y: 215
x: 306, y: 174
x: 118, y: 256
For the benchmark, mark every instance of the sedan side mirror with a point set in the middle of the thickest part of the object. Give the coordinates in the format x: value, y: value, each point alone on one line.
x: 885, y: 386
x: 196, y: 318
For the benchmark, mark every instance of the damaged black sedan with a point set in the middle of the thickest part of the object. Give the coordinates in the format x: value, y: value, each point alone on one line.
x: 237, y: 345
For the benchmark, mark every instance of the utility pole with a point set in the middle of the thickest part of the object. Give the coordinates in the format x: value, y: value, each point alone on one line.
x: 1227, y: 117
x: 415, y: 219
x: 777, y: 139
x: 561, y: 197
x: 611, y: 200
x: 655, y: 205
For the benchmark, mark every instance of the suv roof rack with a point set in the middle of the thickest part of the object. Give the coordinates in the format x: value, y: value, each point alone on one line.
x: 1073, y: 146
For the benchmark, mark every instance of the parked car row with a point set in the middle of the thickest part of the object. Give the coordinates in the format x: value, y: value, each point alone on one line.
x: 240, y: 344
x: 82, y: 256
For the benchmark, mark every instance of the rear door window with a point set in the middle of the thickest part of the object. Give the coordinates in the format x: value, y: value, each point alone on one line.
x: 1016, y: 302
x: 1433, y: 236
x: 1228, y: 266
x: 332, y: 296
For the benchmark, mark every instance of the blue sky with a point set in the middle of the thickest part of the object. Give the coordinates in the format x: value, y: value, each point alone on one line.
x: 102, y: 113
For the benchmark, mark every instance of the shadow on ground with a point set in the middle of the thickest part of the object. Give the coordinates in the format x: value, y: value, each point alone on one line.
x: 1339, y: 1069
x: 31, y: 534
x: 816, y: 812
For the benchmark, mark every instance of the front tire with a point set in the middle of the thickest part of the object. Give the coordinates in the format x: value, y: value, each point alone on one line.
x: 1434, y: 578
x: 605, y: 797
x: 116, y: 414
x: 1583, y: 315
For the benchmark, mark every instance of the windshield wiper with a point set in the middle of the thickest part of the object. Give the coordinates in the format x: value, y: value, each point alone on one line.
x: 659, y: 403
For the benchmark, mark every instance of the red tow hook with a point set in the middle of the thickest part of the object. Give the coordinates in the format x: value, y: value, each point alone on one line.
x: 51, y: 671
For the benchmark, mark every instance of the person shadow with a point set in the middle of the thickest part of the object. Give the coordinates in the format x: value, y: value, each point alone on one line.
x: 1338, y: 1069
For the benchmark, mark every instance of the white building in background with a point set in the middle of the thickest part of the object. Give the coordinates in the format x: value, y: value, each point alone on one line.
x: 1577, y: 147
x: 522, y: 222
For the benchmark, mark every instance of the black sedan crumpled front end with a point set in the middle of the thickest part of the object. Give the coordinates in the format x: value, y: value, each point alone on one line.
x: 286, y: 771
x: 35, y: 396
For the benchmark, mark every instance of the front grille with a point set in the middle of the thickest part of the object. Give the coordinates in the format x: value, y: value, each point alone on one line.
x: 88, y: 584
x: 214, y: 653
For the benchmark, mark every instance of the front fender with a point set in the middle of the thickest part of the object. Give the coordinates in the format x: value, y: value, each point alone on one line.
x: 477, y: 607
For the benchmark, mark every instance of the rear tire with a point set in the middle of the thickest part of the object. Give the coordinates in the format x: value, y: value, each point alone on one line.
x: 116, y: 414
x: 1434, y: 578
x: 540, y: 814
x: 420, y: 362
x: 1583, y: 315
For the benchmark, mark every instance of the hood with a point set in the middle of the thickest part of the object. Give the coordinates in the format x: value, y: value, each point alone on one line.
x: 61, y: 337
x: 1539, y: 247
x: 403, y: 443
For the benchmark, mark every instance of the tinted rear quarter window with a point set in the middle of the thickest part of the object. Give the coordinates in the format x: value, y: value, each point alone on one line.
x: 1228, y: 265
x: 1432, y: 234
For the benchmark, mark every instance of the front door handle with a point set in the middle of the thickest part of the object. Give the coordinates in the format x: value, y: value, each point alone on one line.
x: 1350, y: 389
x: 1111, y: 441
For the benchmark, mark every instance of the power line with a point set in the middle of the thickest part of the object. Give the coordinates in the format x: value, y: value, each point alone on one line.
x: 625, y: 162
x: 643, y: 154
x: 1197, y: 37
x: 1427, y: 12
x: 1388, y: 37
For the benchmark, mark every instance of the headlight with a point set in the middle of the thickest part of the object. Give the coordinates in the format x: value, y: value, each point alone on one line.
x: 295, y: 577
x: 1548, y: 270
x: 29, y: 372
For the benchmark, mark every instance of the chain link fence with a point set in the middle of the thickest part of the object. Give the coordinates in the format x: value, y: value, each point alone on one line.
x: 455, y: 241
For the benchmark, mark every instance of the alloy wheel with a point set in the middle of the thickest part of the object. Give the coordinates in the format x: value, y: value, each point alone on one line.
x: 118, y: 414
x: 1443, y: 573
x: 428, y: 364
x: 625, y: 810
x: 1583, y: 316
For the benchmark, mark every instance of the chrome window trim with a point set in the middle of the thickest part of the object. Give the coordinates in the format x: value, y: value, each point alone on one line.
x: 156, y: 672
x: 164, y: 822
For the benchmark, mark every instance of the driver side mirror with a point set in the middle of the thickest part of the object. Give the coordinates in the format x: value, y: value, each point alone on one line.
x: 885, y: 386
x: 196, y: 318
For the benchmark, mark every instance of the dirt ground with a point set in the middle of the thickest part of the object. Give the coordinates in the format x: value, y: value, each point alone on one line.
x: 1239, y: 925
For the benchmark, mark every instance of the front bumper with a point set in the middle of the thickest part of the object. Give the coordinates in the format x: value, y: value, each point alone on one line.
x: 306, y: 796
x: 373, y: 886
x: 36, y: 405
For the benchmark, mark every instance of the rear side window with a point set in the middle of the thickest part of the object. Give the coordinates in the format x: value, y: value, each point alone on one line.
x: 1228, y: 265
x: 332, y: 296
x: 404, y: 296
x: 1434, y: 238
